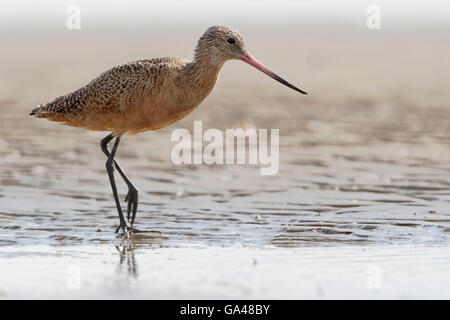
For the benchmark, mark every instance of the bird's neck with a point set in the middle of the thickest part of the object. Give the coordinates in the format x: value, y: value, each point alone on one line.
x: 203, y: 72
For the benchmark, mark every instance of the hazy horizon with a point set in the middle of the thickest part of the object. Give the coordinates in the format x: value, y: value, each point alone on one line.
x: 125, y: 15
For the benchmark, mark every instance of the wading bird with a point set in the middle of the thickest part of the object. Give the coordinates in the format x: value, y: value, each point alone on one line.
x: 148, y: 95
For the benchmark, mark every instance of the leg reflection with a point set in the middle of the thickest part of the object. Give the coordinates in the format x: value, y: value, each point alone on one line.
x: 126, y: 255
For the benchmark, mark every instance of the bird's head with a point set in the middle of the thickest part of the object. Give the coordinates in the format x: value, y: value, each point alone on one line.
x: 219, y: 44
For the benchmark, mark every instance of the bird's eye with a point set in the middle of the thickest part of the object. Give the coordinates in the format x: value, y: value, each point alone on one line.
x: 231, y: 41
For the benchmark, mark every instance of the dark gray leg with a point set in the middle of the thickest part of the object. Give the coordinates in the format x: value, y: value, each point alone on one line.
x: 110, y: 169
x: 132, y: 196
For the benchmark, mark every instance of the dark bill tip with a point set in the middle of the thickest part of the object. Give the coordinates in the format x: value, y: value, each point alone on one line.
x: 255, y: 63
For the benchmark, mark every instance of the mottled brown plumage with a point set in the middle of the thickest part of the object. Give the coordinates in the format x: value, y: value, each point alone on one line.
x: 148, y: 95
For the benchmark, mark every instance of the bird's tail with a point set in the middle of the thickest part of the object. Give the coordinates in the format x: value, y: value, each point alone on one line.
x: 38, y: 110
x: 57, y: 107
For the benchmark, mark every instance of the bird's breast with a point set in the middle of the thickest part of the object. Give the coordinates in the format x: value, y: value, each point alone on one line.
x: 172, y: 101
x: 159, y: 111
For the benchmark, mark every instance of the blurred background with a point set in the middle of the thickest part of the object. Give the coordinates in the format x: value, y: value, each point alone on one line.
x: 327, y: 48
x: 364, y: 158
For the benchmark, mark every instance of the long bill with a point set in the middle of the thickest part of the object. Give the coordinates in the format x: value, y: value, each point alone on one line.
x: 255, y: 63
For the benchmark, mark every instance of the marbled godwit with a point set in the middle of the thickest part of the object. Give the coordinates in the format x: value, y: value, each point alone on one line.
x: 148, y: 95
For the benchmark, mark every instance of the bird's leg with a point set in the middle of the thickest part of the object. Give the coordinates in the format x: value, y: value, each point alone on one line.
x: 110, y: 169
x: 132, y: 196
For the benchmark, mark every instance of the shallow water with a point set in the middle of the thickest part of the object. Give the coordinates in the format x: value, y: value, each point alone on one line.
x: 192, y: 271
x: 346, y: 181
x: 357, y: 172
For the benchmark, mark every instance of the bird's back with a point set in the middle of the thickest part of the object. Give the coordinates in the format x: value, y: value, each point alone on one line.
x: 115, y: 99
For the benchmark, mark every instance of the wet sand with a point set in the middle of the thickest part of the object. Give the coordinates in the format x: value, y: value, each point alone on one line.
x: 364, y: 178
x: 194, y: 271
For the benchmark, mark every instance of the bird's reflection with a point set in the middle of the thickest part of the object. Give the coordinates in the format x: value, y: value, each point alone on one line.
x: 126, y: 255
x: 128, y: 247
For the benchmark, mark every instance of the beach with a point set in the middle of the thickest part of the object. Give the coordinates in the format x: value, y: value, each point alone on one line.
x: 359, y: 208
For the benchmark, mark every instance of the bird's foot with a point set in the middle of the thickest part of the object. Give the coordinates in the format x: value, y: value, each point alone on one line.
x: 126, y: 231
x: 132, y: 201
